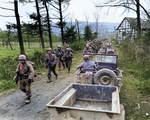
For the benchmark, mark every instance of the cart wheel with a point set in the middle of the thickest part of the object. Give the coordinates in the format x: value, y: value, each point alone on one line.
x: 105, y: 77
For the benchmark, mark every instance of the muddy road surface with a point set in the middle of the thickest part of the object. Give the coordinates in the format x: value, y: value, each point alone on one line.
x: 13, y: 107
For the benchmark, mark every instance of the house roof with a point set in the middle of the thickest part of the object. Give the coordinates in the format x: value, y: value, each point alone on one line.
x: 131, y: 20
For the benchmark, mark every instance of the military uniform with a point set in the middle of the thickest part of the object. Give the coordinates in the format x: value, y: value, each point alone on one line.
x: 89, y: 66
x: 87, y: 50
x: 69, y: 48
x: 25, y: 73
x: 68, y: 58
x: 51, y: 65
x: 59, y: 53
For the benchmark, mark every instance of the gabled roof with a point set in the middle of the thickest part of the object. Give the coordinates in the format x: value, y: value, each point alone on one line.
x: 145, y: 25
x: 132, y: 21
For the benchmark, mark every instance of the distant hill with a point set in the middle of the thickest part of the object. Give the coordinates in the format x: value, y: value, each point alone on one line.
x: 103, y: 26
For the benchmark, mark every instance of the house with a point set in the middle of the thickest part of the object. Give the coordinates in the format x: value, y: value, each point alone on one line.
x: 128, y: 28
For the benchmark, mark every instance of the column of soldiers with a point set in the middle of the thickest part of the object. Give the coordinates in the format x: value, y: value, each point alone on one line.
x: 25, y: 72
x: 60, y: 56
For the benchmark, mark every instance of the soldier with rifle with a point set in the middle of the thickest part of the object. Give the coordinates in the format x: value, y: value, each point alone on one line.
x: 50, y: 64
x: 25, y: 74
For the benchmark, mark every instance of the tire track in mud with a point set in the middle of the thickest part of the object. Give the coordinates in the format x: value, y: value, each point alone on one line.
x: 13, y: 107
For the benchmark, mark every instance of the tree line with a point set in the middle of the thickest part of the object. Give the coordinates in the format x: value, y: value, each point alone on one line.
x: 41, y: 24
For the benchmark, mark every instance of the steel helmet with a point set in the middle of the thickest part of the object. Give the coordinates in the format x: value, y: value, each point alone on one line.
x: 68, y: 49
x: 58, y: 46
x: 22, y: 57
x: 67, y: 46
x: 49, y: 49
x: 85, y: 57
x: 87, y: 45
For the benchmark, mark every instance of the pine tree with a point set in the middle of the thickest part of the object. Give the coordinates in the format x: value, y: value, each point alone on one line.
x: 87, y: 33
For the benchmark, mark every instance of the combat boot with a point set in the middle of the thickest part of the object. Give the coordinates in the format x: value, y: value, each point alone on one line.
x: 64, y: 66
x: 59, y: 69
x: 28, y: 101
x: 56, y: 77
x: 49, y: 80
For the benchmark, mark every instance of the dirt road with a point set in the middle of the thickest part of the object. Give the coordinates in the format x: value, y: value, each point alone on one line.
x: 13, y: 107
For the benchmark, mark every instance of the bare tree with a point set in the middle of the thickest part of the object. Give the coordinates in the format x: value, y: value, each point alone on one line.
x: 60, y: 6
x: 133, y: 5
x: 39, y: 19
x: 96, y: 16
x: 9, y: 27
x: 22, y: 51
x: 71, y: 19
x: 45, y: 2
x: 78, y: 31
x: 86, y: 17
x: 39, y: 24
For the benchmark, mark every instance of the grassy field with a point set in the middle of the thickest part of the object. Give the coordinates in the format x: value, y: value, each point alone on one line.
x: 5, y: 52
x: 135, y: 99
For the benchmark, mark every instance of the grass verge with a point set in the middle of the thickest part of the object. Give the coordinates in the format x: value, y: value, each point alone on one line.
x: 134, y: 95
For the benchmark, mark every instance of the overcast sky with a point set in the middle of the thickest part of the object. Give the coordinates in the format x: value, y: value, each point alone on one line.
x: 78, y: 9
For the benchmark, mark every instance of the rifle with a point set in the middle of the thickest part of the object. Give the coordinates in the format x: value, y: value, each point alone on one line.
x: 17, y: 77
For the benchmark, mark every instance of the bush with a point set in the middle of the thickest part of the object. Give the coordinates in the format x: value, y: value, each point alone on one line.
x: 139, y: 50
x: 7, y: 84
x: 78, y: 46
x: 7, y: 72
x: 8, y: 67
x: 38, y: 58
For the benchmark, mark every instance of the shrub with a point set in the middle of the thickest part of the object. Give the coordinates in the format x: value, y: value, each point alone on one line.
x: 38, y: 58
x: 7, y: 84
x: 8, y: 66
x: 78, y: 46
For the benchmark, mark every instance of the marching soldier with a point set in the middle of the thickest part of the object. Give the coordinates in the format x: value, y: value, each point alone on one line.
x: 59, y: 53
x: 68, y: 58
x: 67, y: 46
x: 25, y: 75
x: 51, y: 64
x: 87, y: 50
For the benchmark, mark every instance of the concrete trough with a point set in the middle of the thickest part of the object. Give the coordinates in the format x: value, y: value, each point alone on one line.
x: 86, y: 102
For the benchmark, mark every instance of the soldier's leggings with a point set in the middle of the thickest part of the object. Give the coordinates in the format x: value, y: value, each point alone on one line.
x: 61, y: 62
x: 49, y: 69
x: 25, y: 85
x: 68, y: 64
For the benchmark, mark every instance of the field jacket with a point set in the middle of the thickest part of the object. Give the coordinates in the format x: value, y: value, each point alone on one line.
x: 25, y: 70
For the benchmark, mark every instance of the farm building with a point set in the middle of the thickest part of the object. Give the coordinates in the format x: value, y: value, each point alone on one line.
x: 128, y: 28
